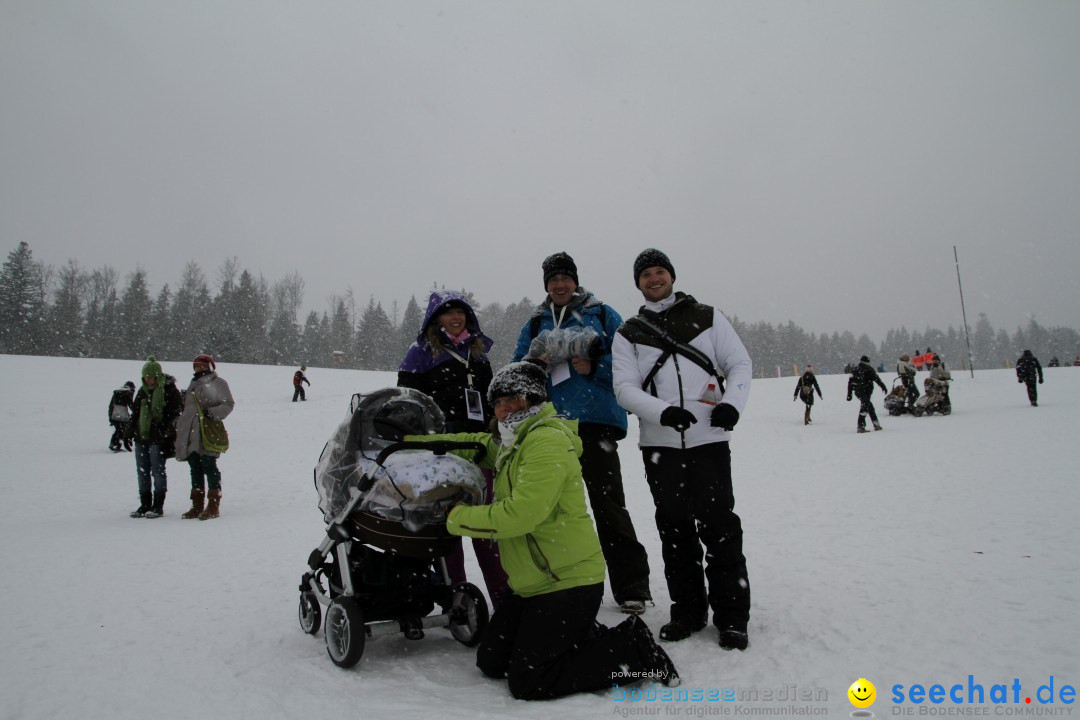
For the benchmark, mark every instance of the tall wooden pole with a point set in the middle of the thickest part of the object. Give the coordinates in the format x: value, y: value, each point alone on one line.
x: 963, y: 312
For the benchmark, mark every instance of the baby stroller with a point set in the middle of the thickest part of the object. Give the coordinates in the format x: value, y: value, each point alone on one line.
x: 934, y: 400
x: 381, y: 568
x: 896, y: 401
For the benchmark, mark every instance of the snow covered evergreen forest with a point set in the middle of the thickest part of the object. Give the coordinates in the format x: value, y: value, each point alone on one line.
x: 240, y: 317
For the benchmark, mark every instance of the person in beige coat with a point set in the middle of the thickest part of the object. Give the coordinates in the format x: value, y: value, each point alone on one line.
x: 209, y: 394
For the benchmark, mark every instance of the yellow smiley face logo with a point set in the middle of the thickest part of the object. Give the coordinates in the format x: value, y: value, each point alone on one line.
x: 862, y: 693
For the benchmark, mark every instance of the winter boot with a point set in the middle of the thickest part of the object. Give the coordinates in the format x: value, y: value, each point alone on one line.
x: 197, y: 497
x: 862, y: 430
x: 158, y: 508
x: 213, y: 505
x: 733, y: 639
x: 877, y: 426
x: 145, y: 503
x: 806, y: 417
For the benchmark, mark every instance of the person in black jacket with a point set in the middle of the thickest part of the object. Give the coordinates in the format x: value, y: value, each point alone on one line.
x: 121, y: 404
x: 449, y: 363
x: 298, y: 380
x: 804, y: 390
x: 861, y: 383
x: 157, y: 405
x: 1027, y: 369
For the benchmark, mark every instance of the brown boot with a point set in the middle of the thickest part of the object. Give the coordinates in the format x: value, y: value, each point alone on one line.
x: 197, y: 497
x: 806, y: 417
x: 213, y: 505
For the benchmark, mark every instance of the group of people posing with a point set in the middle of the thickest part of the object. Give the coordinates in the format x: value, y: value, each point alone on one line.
x: 163, y: 422
x: 551, y: 421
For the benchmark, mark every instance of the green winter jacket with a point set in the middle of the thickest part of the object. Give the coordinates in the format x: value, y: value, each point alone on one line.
x: 547, y: 541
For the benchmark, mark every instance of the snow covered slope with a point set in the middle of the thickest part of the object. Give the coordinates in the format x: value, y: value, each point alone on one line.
x: 934, y: 550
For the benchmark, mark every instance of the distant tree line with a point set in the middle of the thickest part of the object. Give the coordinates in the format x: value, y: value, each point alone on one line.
x: 73, y: 312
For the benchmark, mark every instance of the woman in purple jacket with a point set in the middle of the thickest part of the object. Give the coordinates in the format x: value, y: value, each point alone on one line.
x: 449, y: 362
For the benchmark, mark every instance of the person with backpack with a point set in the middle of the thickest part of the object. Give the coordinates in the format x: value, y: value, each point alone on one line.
x: 681, y: 368
x: 906, y: 370
x: 156, y: 406
x: 449, y: 363
x: 570, y: 332
x: 861, y: 383
x: 121, y: 404
x: 804, y: 390
x: 200, y: 435
x: 1027, y: 369
x: 298, y: 380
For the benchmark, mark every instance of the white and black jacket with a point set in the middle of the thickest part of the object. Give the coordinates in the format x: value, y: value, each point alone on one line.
x: 680, y: 381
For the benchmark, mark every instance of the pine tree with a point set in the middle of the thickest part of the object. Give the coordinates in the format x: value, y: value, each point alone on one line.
x: 190, y: 313
x: 100, y: 307
x: 341, y: 333
x: 409, y: 327
x: 134, y: 310
x: 161, y: 334
x: 22, y: 303
x: 375, y: 343
x: 64, y: 323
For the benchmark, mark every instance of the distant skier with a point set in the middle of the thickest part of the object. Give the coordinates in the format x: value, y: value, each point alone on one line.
x: 804, y: 390
x: 1027, y: 369
x: 861, y: 383
x: 120, y: 406
x: 298, y: 380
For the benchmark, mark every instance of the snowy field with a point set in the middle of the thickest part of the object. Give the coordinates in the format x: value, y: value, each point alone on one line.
x: 934, y: 550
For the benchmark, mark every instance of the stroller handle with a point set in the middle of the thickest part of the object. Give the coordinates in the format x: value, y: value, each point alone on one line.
x: 438, y: 447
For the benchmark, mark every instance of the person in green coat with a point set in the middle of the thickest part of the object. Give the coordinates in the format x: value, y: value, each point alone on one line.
x: 544, y: 639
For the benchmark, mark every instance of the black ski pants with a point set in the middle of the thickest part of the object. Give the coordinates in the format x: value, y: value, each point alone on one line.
x: 627, y: 561
x: 120, y: 435
x: 695, y: 507
x: 866, y: 407
x: 550, y: 645
x: 298, y: 392
x: 1033, y: 393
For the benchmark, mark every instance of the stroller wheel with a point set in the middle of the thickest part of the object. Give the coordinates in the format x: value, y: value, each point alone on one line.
x: 468, y: 614
x: 310, y: 613
x: 345, y: 632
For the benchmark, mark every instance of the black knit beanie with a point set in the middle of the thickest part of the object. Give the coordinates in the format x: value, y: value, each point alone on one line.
x: 519, y: 378
x: 651, y: 258
x: 559, y: 264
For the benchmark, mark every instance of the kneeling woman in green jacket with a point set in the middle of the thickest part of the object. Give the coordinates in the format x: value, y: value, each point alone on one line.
x: 544, y: 639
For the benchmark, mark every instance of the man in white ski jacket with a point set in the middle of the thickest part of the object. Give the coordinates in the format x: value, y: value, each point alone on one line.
x: 682, y: 369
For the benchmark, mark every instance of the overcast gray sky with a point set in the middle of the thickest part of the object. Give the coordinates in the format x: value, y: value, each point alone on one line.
x: 806, y: 161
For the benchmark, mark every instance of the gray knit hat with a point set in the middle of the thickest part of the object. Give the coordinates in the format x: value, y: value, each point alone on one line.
x: 519, y: 378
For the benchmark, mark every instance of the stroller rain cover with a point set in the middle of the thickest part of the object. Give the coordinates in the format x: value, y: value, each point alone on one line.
x: 414, y: 487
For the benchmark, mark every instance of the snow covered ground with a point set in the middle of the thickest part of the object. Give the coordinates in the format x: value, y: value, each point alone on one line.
x: 937, y: 549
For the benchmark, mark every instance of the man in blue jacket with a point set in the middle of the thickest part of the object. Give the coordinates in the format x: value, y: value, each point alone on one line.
x: 571, y: 331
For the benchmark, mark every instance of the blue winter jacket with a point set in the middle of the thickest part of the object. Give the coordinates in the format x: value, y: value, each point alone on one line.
x: 585, y: 398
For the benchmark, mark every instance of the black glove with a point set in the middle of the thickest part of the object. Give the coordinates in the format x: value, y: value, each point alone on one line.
x: 849, y: 398
x: 1040, y: 381
x: 678, y: 418
x: 725, y: 416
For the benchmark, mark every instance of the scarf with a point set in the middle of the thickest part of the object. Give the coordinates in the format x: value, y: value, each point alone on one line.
x: 152, y: 409
x: 508, y: 429
x: 456, y: 340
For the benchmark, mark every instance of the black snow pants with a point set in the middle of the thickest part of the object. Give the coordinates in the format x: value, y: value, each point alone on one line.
x: 695, y: 507
x: 550, y: 645
x: 627, y: 561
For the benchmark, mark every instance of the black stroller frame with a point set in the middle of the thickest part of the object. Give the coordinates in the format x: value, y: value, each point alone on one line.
x: 377, y: 577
